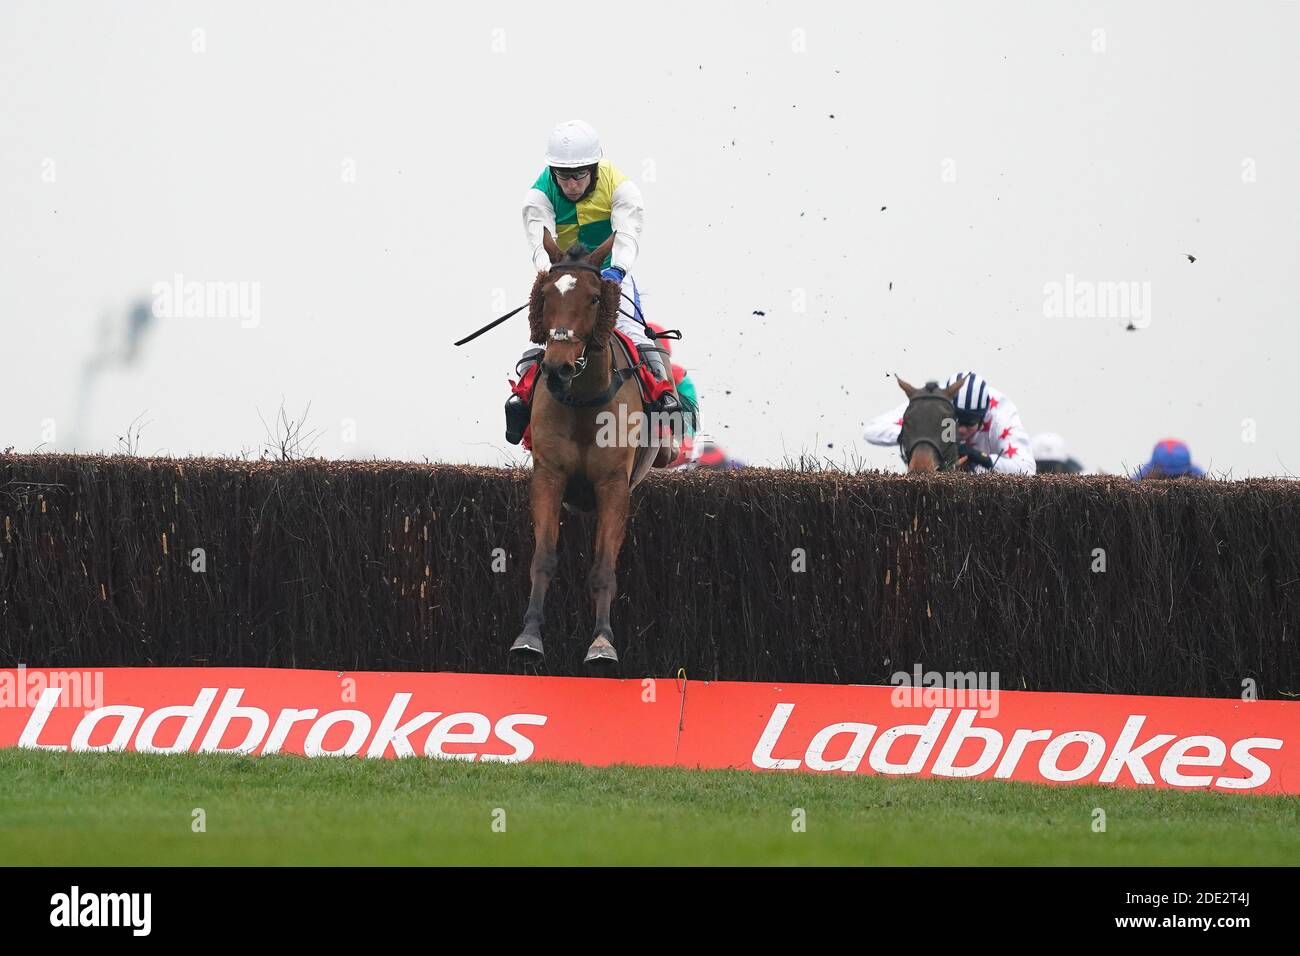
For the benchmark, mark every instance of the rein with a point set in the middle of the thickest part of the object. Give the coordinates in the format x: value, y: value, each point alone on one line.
x: 559, y: 266
x: 617, y: 377
x: 674, y: 334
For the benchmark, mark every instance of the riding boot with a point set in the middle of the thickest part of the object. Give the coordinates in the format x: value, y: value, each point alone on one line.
x: 668, y: 403
x: 653, y: 356
x: 518, y: 410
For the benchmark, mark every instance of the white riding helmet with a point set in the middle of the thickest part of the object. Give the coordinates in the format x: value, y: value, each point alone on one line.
x: 573, y: 144
x: 1048, y: 446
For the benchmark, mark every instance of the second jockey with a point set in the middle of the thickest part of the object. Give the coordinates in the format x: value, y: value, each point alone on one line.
x: 686, y: 389
x: 582, y: 197
x: 989, y: 430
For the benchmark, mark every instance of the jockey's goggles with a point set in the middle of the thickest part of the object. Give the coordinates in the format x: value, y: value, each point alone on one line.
x: 572, y: 175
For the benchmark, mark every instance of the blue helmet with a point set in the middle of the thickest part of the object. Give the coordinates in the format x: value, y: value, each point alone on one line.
x: 1170, y: 458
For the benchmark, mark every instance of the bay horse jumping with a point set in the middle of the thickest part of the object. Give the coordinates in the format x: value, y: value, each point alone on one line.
x: 928, y: 439
x: 589, y: 433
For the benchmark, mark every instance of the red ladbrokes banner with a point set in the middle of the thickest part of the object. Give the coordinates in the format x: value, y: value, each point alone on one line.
x: 1187, y: 743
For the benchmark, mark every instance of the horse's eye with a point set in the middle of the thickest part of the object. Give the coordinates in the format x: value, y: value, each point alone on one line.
x: 595, y: 299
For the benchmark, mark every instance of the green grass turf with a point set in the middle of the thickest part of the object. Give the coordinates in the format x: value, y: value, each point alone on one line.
x: 135, y: 809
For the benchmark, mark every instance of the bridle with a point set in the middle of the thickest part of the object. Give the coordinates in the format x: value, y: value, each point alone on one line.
x: 617, y: 376
x: 673, y: 334
x: 944, y: 452
x: 567, y: 335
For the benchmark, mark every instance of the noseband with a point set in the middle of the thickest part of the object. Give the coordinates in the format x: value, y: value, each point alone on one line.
x: 567, y: 335
x: 945, y: 452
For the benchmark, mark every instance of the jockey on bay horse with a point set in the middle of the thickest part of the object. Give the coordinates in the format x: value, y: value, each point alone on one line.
x: 583, y: 398
x: 588, y: 441
x: 581, y: 197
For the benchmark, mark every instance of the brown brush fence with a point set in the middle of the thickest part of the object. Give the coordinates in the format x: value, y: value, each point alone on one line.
x: 385, y: 565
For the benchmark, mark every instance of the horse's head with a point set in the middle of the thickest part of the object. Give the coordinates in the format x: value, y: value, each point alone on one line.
x: 928, y: 439
x: 572, y: 310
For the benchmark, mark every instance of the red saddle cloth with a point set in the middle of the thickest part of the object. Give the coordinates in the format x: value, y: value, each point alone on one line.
x: 651, y: 387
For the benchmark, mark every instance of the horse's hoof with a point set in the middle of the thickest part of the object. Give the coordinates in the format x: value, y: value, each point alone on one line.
x: 527, y: 649
x: 601, y: 653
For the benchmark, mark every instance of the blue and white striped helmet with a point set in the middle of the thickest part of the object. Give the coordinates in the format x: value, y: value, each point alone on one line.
x: 973, y: 400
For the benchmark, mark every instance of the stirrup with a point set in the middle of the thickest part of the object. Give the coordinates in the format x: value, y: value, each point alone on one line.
x: 518, y: 413
x: 667, y: 402
x: 530, y: 358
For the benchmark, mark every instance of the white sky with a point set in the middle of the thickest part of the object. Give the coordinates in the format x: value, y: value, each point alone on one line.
x: 228, y: 165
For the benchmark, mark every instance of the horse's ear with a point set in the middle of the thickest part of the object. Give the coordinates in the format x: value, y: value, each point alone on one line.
x: 908, y: 390
x: 598, y: 256
x: 548, y: 243
x: 952, y: 390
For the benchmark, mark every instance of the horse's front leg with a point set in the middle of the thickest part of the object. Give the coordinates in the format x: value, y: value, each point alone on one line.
x: 546, y: 490
x: 612, y: 507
